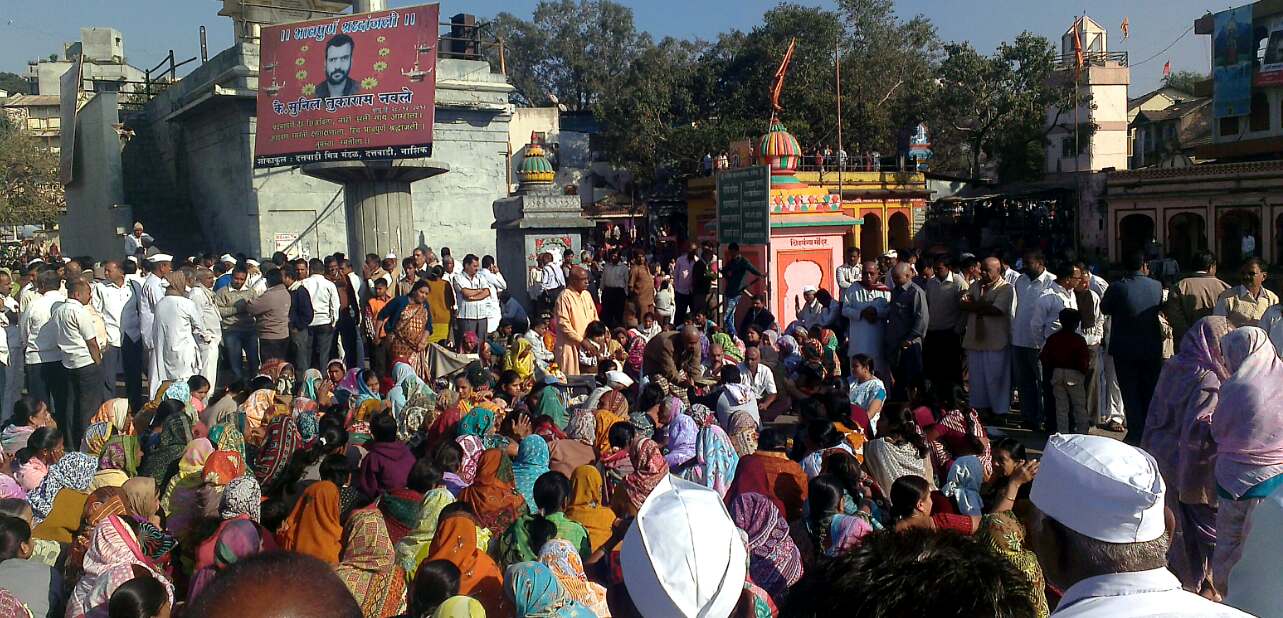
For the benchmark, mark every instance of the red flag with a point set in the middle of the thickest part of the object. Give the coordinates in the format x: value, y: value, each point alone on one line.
x: 1167, y: 69
x: 777, y: 84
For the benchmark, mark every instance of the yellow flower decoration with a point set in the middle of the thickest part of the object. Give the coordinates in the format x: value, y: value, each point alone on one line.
x: 381, y: 39
x: 309, y: 90
x: 304, y: 48
x: 383, y: 51
x: 369, y: 83
x: 380, y: 66
x: 301, y: 75
x: 299, y: 62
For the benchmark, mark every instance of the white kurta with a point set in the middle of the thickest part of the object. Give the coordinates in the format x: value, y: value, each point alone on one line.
x: 153, y: 290
x: 863, y: 337
x: 208, y: 350
x: 176, y: 330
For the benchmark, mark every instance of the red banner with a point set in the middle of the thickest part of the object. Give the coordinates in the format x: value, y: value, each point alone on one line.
x: 350, y: 88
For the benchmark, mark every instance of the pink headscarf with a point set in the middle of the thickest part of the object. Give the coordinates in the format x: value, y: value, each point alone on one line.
x: 30, y: 473
x: 1178, y: 428
x: 1248, y: 424
x: 9, y: 488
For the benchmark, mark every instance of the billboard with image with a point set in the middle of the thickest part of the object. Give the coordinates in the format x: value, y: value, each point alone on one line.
x: 347, y: 88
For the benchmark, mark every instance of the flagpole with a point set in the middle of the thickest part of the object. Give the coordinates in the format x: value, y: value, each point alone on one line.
x: 837, y: 73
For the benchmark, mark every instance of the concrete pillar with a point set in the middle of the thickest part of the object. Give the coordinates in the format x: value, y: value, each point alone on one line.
x: 369, y: 6
x: 380, y: 218
x: 380, y: 211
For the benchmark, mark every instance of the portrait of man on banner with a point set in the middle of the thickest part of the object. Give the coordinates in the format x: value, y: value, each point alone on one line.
x: 338, y: 68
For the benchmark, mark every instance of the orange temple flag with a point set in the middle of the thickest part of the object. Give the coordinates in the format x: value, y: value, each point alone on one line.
x: 777, y: 85
x: 1126, y: 28
x: 1167, y: 69
x: 1078, y: 49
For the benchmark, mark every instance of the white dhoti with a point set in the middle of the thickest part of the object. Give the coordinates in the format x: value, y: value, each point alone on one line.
x: 209, y: 361
x: 176, y: 356
x: 1109, y: 400
x: 990, y: 373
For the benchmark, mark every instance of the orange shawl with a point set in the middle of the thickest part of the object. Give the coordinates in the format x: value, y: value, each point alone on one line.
x: 587, y: 505
x: 495, y: 502
x: 604, y: 420
x: 313, y: 526
x: 479, y: 576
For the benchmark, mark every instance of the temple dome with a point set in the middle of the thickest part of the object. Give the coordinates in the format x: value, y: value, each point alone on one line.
x: 535, y: 167
x: 780, y: 150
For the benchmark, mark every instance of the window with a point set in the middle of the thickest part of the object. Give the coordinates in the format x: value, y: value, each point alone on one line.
x: 1229, y: 126
x: 1259, y: 120
x: 1067, y: 147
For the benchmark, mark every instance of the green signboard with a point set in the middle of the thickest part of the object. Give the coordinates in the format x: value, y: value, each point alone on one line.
x: 743, y: 206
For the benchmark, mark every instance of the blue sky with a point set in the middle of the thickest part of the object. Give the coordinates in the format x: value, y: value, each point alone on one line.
x: 29, y: 30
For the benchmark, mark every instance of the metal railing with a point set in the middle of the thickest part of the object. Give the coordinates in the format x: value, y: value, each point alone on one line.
x: 1090, y: 59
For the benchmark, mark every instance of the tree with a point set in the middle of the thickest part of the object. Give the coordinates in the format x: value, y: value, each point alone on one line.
x: 30, y: 191
x: 13, y: 83
x: 570, y: 53
x: 997, y: 105
x: 1185, y: 81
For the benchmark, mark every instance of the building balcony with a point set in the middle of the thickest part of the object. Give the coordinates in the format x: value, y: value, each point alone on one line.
x: 1092, y: 59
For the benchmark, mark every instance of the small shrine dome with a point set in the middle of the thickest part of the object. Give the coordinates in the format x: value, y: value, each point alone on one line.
x: 780, y: 150
x: 535, y: 167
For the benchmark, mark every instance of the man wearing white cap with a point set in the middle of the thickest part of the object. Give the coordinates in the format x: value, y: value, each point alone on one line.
x: 227, y: 263
x: 683, y: 555
x: 153, y: 290
x: 134, y: 241
x: 1100, y: 532
x: 809, y: 310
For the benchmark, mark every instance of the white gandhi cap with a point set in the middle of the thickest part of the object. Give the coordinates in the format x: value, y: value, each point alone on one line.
x: 160, y: 257
x: 619, y: 377
x: 1100, y: 488
x: 683, y: 556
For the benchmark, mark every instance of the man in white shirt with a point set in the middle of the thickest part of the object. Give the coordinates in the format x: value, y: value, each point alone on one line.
x: 78, y: 341
x: 614, y: 289
x: 472, y: 295
x: 809, y: 310
x: 153, y: 290
x: 1060, y: 296
x: 1026, y: 368
x: 490, y: 272
x: 134, y: 241
x: 110, y: 297
x: 758, y: 376
x: 848, y: 273
x: 325, y: 314
x: 46, y: 378
x: 552, y: 280
x: 133, y: 357
x: 10, y: 348
x: 1099, y: 532
x: 203, y: 297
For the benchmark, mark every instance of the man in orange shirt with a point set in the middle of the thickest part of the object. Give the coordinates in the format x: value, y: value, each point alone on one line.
x: 374, y: 327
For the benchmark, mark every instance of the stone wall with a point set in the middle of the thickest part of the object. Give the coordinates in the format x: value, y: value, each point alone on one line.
x: 191, y: 171
x: 96, y: 219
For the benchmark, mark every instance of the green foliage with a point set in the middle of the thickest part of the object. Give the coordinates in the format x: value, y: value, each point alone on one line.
x: 573, y: 51
x: 13, y: 83
x: 663, y: 105
x: 1185, y: 80
x: 30, y: 192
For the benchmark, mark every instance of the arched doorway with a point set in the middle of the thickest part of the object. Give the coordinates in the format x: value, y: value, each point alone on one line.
x: 871, y: 237
x: 1135, y: 231
x: 1239, y: 236
x: 1186, y: 236
x: 898, y: 232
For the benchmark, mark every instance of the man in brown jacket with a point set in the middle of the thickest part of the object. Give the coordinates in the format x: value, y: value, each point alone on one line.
x: 271, y: 311
x: 1194, y: 297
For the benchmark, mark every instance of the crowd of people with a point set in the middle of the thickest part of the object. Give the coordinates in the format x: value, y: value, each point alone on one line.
x: 219, y: 436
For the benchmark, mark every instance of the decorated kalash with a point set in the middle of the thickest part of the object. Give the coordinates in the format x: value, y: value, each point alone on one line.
x: 808, y: 227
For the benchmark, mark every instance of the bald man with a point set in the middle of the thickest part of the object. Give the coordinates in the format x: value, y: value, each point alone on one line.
x: 907, y: 319
x: 574, y: 310
x: 989, y: 307
x: 669, y: 352
x: 276, y: 585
